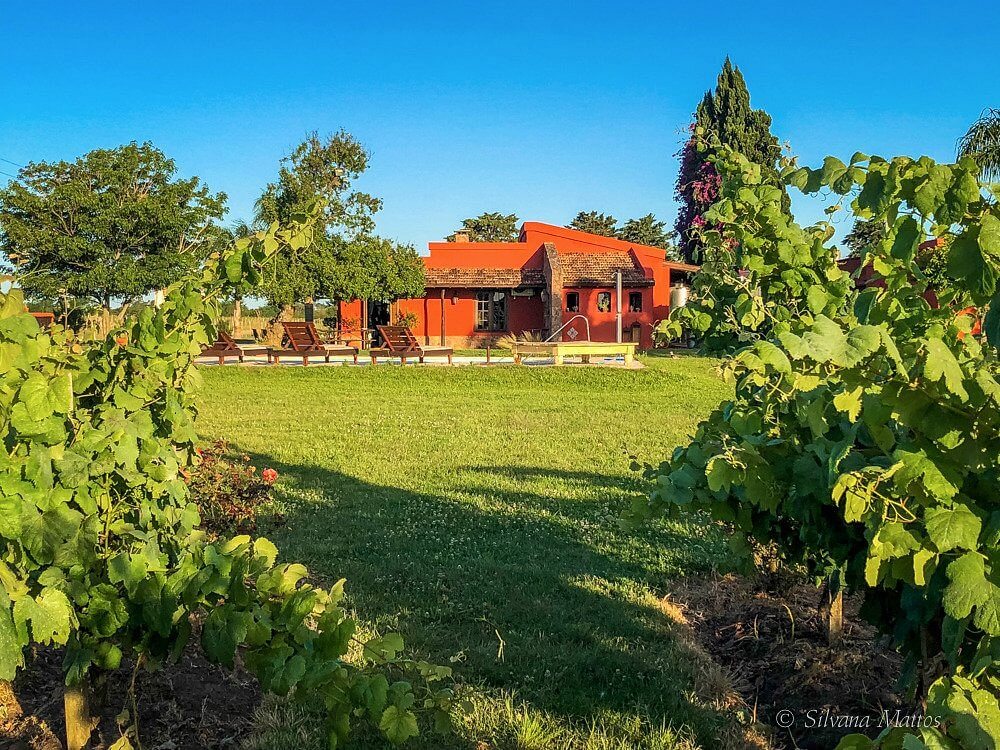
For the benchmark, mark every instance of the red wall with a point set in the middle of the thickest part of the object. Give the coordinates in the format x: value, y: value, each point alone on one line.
x: 484, y: 255
x: 523, y: 314
x: 603, y: 324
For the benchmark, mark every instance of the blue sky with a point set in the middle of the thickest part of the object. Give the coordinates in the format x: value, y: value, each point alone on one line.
x: 538, y: 108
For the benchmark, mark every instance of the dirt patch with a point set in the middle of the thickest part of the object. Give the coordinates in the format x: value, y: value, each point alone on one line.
x: 190, y: 705
x: 773, y: 649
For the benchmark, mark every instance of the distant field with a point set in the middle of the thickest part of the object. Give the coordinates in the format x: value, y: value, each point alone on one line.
x: 474, y: 510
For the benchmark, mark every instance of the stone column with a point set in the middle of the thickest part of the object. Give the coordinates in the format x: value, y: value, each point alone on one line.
x: 552, y: 270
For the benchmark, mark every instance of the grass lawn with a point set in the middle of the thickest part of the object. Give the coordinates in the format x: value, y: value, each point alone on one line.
x: 474, y: 510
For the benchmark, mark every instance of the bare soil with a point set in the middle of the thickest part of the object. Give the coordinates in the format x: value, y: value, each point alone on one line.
x: 772, y: 645
x: 190, y: 705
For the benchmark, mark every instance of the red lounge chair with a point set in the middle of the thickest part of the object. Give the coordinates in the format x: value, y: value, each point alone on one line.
x: 225, y: 346
x: 303, y: 341
x: 400, y: 342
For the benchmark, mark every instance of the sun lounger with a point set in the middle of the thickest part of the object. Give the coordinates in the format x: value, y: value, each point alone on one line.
x: 302, y: 340
x: 400, y: 342
x: 226, y: 346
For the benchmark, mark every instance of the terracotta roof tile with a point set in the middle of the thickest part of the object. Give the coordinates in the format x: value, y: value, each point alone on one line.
x: 482, y: 278
x: 599, y: 269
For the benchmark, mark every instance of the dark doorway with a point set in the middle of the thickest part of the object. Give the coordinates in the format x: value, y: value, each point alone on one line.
x: 378, y: 315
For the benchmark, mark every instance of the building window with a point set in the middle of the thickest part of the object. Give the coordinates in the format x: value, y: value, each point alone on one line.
x: 572, y: 302
x: 635, y: 301
x: 491, y: 310
x: 604, y: 302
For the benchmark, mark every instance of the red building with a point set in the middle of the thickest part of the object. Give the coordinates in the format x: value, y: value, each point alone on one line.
x: 478, y: 291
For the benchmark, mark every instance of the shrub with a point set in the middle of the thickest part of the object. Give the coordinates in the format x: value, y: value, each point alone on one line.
x: 228, y: 490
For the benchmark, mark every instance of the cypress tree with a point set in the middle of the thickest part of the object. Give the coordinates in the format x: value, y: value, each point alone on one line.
x: 724, y: 117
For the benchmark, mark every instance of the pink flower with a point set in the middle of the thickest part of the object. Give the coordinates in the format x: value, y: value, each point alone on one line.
x: 270, y: 476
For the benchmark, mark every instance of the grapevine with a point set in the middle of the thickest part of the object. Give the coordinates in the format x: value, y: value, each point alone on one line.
x: 864, y: 436
x: 100, y: 547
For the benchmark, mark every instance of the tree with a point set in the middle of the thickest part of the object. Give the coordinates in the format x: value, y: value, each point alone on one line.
x: 864, y: 235
x: 112, y: 225
x: 645, y: 231
x: 723, y: 118
x: 593, y: 222
x: 344, y: 261
x: 324, y: 169
x: 489, y: 227
x: 982, y: 143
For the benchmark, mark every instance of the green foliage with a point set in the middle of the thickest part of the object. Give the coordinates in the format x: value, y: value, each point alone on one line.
x: 723, y: 119
x: 982, y: 143
x: 760, y: 271
x: 489, y: 227
x: 646, y: 230
x: 593, y: 222
x: 863, y: 439
x: 114, y: 224
x: 101, y: 550
x: 863, y: 235
x: 344, y: 260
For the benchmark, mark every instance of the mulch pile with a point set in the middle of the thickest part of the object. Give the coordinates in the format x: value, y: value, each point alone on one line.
x: 774, y: 648
x: 190, y: 705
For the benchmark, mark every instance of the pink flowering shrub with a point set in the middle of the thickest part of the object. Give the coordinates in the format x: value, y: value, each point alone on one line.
x: 228, y: 490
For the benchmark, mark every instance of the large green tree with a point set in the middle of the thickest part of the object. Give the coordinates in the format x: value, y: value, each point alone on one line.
x: 594, y: 222
x: 344, y: 261
x: 864, y: 235
x: 646, y: 230
x: 724, y: 118
x: 114, y: 224
x: 489, y: 227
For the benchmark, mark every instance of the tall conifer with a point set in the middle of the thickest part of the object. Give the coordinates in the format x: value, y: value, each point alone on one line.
x: 725, y: 117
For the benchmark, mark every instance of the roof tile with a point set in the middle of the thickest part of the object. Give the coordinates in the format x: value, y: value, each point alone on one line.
x: 481, y: 278
x: 599, y: 269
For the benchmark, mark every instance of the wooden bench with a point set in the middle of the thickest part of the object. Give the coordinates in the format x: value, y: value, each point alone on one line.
x: 226, y: 346
x: 400, y: 342
x: 558, y: 350
x: 303, y: 340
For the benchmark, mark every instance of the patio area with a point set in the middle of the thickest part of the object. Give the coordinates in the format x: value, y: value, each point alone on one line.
x: 473, y: 357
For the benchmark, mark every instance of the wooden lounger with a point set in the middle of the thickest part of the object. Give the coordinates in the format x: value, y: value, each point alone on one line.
x: 303, y: 341
x: 226, y: 346
x: 400, y: 342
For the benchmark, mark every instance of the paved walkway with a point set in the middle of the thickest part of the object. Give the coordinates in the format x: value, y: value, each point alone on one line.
x: 364, y: 361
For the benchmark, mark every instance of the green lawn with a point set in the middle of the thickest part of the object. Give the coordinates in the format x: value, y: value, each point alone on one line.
x: 474, y: 510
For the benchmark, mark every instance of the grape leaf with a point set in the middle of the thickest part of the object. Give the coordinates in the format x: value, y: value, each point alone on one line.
x: 967, y: 587
x: 953, y: 527
x: 942, y: 365
x: 398, y: 725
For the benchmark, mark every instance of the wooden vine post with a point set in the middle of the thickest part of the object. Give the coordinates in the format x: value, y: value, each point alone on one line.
x: 10, y: 707
x: 79, y: 722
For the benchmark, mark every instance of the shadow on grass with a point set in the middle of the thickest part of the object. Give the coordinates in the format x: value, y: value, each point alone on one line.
x: 540, y: 596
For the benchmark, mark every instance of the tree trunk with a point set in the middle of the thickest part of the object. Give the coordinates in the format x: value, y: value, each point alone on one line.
x: 237, y: 317
x: 79, y: 723
x: 832, y: 610
x: 10, y: 706
x: 285, y: 312
x: 106, y: 317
